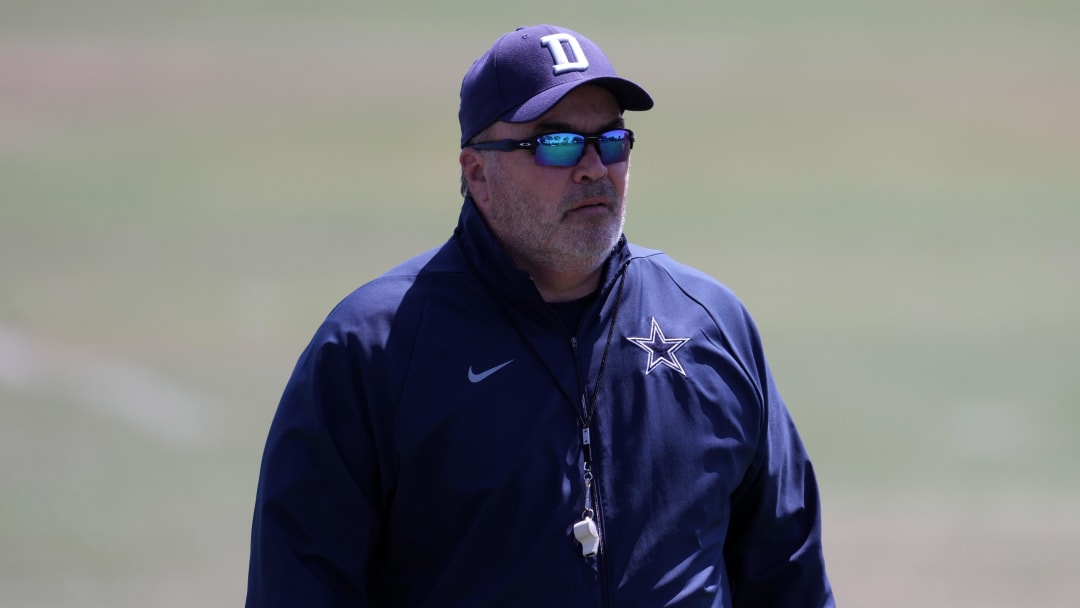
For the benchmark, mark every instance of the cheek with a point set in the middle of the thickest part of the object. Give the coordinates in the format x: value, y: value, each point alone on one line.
x: 544, y: 188
x: 620, y: 177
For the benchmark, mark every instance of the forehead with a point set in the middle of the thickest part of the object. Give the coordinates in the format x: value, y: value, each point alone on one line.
x: 586, y: 109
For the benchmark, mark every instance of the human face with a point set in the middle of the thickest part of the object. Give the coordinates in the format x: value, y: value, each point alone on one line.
x: 554, y: 219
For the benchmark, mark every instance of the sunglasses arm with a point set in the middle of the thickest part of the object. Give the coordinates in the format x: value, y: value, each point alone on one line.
x: 506, y: 145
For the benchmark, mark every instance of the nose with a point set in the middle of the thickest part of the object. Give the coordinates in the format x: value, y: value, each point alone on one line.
x: 590, y: 167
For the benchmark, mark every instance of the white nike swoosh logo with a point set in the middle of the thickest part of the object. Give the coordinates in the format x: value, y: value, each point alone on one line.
x: 475, y: 377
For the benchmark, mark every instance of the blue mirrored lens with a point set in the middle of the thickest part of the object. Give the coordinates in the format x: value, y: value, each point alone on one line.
x: 566, y: 149
x: 614, y: 146
x: 559, y: 149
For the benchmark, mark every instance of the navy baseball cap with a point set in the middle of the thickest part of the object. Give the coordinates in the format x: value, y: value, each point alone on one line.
x: 527, y: 71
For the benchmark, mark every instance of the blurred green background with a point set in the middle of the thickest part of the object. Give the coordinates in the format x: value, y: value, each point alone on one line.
x: 893, y: 188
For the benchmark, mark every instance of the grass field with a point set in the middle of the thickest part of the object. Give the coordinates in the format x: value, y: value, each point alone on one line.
x: 891, y: 187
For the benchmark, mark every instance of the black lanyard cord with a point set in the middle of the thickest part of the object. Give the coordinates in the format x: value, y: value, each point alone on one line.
x: 588, y: 408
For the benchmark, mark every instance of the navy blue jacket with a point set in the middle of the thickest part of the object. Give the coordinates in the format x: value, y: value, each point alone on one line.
x: 427, y: 450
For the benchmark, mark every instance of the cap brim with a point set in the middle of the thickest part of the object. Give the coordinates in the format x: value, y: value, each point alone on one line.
x: 629, y: 96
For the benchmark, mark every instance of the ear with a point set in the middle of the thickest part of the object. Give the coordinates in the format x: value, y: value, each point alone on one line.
x: 474, y: 170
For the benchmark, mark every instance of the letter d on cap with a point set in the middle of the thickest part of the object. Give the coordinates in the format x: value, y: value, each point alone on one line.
x: 554, y: 43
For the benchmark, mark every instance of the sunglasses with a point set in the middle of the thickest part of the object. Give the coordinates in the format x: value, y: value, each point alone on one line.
x: 567, y: 149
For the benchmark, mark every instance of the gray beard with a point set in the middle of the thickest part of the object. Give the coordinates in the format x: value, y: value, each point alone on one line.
x: 533, y: 244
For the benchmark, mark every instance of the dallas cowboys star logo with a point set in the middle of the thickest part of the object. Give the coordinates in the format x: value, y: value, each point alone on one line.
x: 661, y: 349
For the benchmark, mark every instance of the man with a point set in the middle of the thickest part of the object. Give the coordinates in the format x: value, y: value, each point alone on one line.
x: 537, y: 413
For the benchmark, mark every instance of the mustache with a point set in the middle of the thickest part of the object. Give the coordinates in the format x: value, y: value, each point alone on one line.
x: 603, y: 188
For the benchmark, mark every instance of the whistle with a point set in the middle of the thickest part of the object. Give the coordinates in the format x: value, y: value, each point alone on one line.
x: 585, y: 532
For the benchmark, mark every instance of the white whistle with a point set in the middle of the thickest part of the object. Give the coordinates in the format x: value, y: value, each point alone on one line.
x: 586, y: 534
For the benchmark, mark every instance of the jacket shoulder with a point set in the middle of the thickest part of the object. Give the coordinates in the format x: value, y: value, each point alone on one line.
x: 693, y: 283
x: 377, y: 302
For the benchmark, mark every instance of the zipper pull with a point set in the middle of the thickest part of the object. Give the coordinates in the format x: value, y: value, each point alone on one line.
x: 586, y: 447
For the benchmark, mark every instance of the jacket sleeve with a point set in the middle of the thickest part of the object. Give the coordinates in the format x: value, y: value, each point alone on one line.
x: 774, y: 552
x: 317, y: 514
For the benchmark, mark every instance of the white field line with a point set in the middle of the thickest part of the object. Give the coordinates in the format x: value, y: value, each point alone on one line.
x: 119, y: 389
